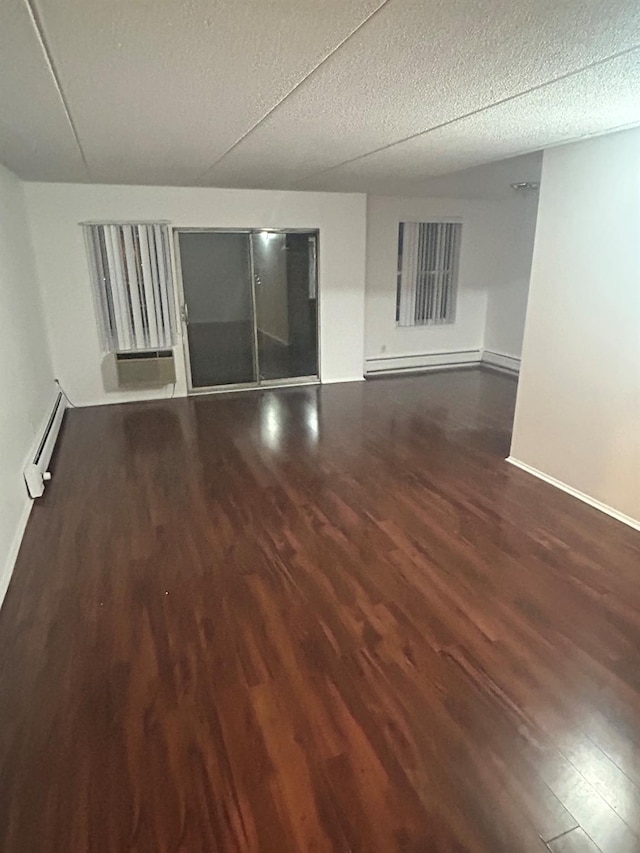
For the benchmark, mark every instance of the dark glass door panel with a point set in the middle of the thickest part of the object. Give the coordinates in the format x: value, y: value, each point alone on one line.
x: 216, y: 278
x: 286, y: 299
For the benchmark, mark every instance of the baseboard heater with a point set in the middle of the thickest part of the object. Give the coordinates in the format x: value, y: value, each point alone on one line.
x: 419, y: 363
x: 36, y: 473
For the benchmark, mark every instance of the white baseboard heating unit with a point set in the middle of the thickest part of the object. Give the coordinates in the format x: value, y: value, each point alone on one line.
x: 36, y: 473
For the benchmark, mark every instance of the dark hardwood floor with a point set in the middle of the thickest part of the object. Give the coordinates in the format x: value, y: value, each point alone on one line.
x: 318, y: 619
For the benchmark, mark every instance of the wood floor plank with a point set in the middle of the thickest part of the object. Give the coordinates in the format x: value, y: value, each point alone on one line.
x: 576, y: 841
x: 324, y: 618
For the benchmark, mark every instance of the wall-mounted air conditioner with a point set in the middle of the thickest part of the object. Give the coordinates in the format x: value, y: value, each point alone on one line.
x: 148, y: 369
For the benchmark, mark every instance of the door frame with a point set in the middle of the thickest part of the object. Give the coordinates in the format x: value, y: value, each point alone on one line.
x: 258, y: 384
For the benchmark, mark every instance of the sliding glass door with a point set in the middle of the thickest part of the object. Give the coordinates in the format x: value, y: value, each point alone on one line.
x: 249, y: 306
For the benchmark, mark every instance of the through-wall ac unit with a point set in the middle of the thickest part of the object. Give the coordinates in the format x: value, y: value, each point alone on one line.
x: 36, y: 473
x: 145, y: 369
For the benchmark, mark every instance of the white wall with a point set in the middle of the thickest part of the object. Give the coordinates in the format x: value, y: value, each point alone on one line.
x: 26, y: 379
x: 508, y: 290
x: 578, y: 408
x: 56, y: 209
x: 383, y: 338
x: 495, y: 259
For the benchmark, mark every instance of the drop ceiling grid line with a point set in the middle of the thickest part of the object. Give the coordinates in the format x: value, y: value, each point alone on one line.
x: 38, y: 26
x: 295, y: 88
x: 486, y: 108
x: 521, y: 152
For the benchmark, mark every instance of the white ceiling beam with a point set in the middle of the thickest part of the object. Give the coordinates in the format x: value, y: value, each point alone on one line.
x: 50, y: 63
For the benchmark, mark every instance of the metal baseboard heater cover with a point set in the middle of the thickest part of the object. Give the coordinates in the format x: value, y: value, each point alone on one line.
x: 147, y: 369
x: 36, y: 474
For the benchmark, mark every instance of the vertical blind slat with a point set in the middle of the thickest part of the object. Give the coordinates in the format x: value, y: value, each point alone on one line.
x: 442, y: 235
x: 449, y: 267
x: 431, y: 267
x: 420, y: 307
x: 156, y: 250
x: 94, y: 253
x: 419, y: 278
x: 404, y: 293
x: 414, y: 249
x: 401, y: 297
x: 147, y: 282
x: 157, y: 298
x: 424, y: 261
x: 408, y: 277
x: 410, y: 236
x: 123, y: 337
x: 444, y: 276
x: 110, y: 317
x: 455, y: 260
x: 433, y: 314
x: 134, y: 285
x: 130, y: 267
x: 163, y: 260
x: 430, y: 272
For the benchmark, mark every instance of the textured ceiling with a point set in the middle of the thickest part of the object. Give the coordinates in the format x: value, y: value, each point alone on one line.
x: 364, y: 95
x: 488, y: 181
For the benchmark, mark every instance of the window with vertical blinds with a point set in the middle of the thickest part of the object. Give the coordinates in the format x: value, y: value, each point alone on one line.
x: 428, y: 256
x: 130, y: 269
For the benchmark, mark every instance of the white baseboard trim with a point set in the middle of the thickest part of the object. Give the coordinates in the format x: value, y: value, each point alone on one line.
x: 345, y: 379
x: 501, y: 360
x: 14, y: 548
x: 421, y: 362
x: 587, y: 499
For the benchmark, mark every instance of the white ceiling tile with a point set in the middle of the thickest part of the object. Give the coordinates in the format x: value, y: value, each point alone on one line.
x: 160, y: 89
x: 36, y: 139
x: 417, y: 65
x: 602, y: 98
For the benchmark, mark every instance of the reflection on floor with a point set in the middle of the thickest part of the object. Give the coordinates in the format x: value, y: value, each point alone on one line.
x: 323, y: 618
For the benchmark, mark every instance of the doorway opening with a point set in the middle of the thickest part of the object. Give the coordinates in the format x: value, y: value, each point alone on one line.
x: 249, y: 307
